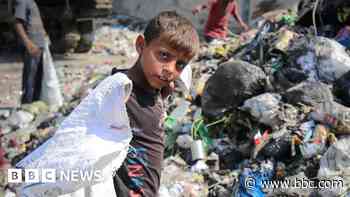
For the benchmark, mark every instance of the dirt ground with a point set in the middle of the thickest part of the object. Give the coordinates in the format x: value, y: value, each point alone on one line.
x: 11, y: 71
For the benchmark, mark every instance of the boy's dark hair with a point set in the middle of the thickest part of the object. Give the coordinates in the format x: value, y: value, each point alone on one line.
x: 175, y: 30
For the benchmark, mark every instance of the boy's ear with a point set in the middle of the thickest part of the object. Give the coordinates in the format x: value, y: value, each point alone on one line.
x: 140, y: 44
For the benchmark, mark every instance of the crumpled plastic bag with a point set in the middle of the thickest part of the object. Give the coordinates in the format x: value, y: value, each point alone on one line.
x: 342, y: 88
x: 186, y: 77
x: 343, y: 37
x: 265, y: 108
x: 50, y: 86
x: 284, y: 38
x: 325, y: 59
x: 232, y: 84
x: 314, y: 141
x: 251, y: 181
x: 336, y: 161
x: 339, y: 114
x: 308, y: 92
x: 95, y: 137
x: 335, y: 165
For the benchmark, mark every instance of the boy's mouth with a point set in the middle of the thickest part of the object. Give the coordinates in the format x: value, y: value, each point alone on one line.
x: 164, y: 81
x: 163, y: 78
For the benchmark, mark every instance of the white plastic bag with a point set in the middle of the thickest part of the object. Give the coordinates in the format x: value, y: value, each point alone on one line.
x: 335, y: 167
x: 50, y: 87
x: 325, y: 59
x: 94, y: 138
x: 186, y: 77
x: 265, y: 108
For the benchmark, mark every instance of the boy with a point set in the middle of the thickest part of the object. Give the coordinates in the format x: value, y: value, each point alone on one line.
x: 30, y: 29
x: 169, y: 42
x: 218, y: 19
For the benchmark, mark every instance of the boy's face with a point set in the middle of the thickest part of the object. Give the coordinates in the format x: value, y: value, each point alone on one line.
x: 161, y: 64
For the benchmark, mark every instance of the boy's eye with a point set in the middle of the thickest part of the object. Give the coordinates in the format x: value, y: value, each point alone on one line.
x: 164, y: 55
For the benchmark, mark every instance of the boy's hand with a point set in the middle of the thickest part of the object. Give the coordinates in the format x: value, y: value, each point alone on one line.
x: 244, y: 26
x: 33, y: 50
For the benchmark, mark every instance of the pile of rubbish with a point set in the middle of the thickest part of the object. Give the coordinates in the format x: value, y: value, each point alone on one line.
x: 274, y: 106
x: 112, y: 35
x: 117, y: 37
x: 271, y: 107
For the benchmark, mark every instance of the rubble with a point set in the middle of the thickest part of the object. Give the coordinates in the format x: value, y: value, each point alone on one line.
x: 114, y: 40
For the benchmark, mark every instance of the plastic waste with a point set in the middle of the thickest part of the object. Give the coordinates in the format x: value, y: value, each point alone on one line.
x: 316, y: 144
x: 342, y: 89
x: 251, y: 180
x: 265, y: 108
x: 20, y: 119
x: 184, y: 141
x: 284, y: 39
x: 186, y: 77
x: 343, y: 36
x: 309, y: 93
x: 260, y: 142
x: 163, y: 191
x: 287, y: 77
x: 336, y: 163
x: 36, y: 108
x: 199, y: 166
x: 289, y: 19
x: 278, y: 148
x: 50, y: 87
x: 181, y: 110
x: 333, y: 115
x: 325, y: 60
x: 99, y: 121
x: 230, y: 86
x: 213, y: 161
x: 200, y: 132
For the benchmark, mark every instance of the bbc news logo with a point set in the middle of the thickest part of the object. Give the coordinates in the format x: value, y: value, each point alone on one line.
x: 51, y: 175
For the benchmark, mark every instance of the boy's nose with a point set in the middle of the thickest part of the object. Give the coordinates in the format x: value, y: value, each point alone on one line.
x: 168, y: 71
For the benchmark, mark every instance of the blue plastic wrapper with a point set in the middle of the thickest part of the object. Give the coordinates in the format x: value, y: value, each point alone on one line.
x: 343, y: 37
x: 251, y: 181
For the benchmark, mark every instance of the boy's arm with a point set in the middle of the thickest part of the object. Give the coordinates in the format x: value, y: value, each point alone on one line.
x: 201, y: 7
x: 30, y: 46
x: 236, y: 14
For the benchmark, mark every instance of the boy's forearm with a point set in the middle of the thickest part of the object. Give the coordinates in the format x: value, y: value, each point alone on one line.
x: 240, y: 21
x: 22, y: 34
